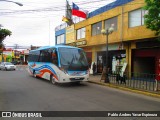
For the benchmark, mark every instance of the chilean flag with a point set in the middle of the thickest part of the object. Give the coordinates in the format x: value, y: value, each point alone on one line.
x: 78, y: 12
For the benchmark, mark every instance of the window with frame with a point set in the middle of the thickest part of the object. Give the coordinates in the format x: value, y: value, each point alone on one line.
x: 54, y: 57
x: 45, y: 55
x: 33, y: 56
x: 81, y: 33
x: 96, y: 28
x: 136, y: 17
x: 112, y: 22
x: 60, y: 39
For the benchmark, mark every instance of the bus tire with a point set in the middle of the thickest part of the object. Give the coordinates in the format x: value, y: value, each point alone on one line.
x: 34, y: 74
x: 52, y: 79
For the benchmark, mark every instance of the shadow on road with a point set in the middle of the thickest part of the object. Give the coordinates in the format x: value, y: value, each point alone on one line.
x: 71, y: 84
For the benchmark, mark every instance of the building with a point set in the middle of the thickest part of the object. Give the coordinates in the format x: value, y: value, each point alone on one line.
x: 131, y: 42
x: 15, y: 56
x: 25, y: 54
x: 6, y: 55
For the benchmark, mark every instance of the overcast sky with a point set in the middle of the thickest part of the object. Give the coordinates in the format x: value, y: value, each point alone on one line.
x: 34, y: 23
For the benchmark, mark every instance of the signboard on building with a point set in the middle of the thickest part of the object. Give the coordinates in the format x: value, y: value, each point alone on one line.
x: 70, y: 34
x: 80, y: 43
x: 26, y: 52
x: 111, y: 47
x: 8, y: 53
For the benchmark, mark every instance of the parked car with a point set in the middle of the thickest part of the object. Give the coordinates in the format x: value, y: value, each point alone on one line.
x: 7, y: 66
x: 14, y: 62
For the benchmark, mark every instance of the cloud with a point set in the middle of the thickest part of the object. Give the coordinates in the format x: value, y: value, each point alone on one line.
x: 34, y: 23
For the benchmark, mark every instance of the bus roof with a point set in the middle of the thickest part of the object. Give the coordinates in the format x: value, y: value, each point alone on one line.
x: 56, y: 46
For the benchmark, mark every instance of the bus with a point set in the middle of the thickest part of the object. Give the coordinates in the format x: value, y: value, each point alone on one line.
x: 59, y: 64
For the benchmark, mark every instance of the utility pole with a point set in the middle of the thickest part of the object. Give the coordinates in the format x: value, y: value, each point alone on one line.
x: 1, y: 45
x: 121, y: 33
x: 49, y: 33
x: 15, y: 50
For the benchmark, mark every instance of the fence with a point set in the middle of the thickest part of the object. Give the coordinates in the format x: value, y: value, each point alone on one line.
x: 141, y: 81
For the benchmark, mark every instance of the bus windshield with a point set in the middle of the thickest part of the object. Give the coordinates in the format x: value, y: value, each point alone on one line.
x: 73, y: 59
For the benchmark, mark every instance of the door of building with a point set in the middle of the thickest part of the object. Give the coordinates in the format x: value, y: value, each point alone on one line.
x: 158, y: 68
x: 89, y: 58
x: 100, y: 61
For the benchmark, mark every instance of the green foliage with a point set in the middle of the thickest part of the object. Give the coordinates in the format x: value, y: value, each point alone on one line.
x: 152, y: 18
x: 4, y: 33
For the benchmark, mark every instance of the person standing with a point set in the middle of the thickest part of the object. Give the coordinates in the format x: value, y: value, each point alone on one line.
x: 94, y: 68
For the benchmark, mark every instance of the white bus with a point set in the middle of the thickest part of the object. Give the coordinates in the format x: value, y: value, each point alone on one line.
x: 59, y: 64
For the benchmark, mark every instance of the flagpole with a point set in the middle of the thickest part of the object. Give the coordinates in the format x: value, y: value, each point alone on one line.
x: 66, y: 8
x: 68, y: 14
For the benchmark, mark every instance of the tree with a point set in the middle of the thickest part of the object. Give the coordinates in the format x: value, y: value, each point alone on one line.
x: 3, y: 34
x: 152, y: 18
x: 1, y: 46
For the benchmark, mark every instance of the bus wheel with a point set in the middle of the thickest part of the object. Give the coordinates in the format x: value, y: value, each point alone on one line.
x: 52, y: 79
x: 34, y: 74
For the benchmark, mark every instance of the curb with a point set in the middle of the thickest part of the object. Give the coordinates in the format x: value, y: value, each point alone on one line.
x: 127, y: 89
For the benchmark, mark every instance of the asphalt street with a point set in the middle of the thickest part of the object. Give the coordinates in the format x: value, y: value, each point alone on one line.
x: 21, y: 92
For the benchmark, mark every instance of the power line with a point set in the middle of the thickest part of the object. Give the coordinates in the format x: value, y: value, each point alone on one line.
x: 50, y: 9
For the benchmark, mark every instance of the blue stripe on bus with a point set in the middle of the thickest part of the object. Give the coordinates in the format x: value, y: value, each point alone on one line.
x: 42, y: 67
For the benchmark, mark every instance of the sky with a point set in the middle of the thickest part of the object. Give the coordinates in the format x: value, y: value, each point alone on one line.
x: 34, y: 23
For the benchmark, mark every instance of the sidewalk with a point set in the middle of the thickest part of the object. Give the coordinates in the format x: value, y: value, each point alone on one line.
x: 96, y: 79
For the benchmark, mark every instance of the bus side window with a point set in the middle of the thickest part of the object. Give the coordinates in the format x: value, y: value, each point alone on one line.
x: 41, y: 57
x: 54, y: 57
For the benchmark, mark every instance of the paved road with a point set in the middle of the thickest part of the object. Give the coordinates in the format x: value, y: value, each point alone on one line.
x: 21, y: 92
